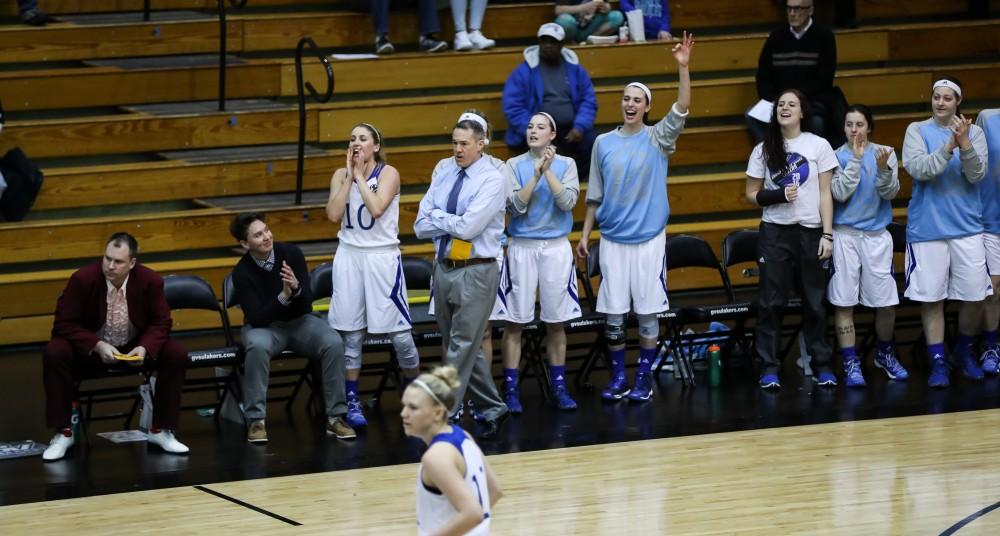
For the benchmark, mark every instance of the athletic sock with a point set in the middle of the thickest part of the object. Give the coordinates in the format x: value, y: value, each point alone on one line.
x: 617, y: 362
x: 990, y: 339
x: 351, y: 387
x: 935, y: 350
x: 963, y: 348
x: 557, y: 373
x: 510, y: 376
x: 646, y: 357
x: 849, y: 353
x: 886, y: 347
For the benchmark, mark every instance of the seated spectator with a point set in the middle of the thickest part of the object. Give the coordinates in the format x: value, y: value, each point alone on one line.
x: 551, y: 80
x: 271, y: 284
x: 429, y: 24
x: 582, y: 19
x: 113, y: 312
x: 802, y: 56
x: 655, y: 18
x: 30, y: 14
x: 471, y: 36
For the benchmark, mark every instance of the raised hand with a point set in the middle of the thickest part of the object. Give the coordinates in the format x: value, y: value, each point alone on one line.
x: 960, y: 128
x: 547, y: 157
x: 682, y: 50
x: 882, y: 157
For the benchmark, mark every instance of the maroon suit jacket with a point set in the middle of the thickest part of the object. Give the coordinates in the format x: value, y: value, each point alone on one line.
x: 82, y: 308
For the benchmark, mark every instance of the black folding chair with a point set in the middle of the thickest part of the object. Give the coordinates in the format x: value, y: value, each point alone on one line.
x: 591, y: 321
x: 192, y: 292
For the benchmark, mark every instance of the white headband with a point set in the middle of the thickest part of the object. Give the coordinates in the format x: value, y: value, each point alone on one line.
x: 640, y: 85
x: 948, y: 84
x: 469, y: 116
x: 551, y: 120
x: 427, y: 388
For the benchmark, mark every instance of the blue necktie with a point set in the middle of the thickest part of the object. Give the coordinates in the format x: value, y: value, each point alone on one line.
x: 452, y: 208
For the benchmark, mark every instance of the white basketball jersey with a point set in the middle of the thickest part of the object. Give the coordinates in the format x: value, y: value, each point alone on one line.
x: 433, y: 508
x: 359, y: 228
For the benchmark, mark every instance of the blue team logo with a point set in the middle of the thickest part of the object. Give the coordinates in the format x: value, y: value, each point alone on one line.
x: 796, y: 172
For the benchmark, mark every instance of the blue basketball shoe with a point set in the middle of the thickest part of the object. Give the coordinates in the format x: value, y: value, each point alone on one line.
x: 853, y: 377
x: 893, y: 368
x: 616, y: 389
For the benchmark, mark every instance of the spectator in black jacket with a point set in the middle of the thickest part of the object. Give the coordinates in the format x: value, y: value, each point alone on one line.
x: 802, y: 56
x: 271, y: 284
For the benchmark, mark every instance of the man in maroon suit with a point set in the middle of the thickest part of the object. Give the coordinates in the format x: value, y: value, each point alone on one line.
x: 111, y: 311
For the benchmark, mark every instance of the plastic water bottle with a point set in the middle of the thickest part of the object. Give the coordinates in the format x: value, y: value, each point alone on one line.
x: 74, y: 419
x: 714, y: 365
x: 623, y: 33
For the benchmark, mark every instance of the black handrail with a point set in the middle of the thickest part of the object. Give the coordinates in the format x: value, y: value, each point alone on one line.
x: 239, y: 4
x: 145, y: 11
x: 302, y: 103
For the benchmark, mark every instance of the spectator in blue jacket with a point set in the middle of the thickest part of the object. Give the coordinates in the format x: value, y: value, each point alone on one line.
x: 655, y: 17
x: 551, y: 80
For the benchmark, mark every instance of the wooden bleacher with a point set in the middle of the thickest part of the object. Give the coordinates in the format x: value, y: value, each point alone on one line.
x: 889, y: 65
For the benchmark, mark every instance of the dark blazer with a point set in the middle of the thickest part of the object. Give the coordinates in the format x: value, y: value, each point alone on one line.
x: 82, y: 308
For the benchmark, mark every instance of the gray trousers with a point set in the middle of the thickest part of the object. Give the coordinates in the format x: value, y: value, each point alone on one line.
x: 307, y: 335
x: 463, y: 299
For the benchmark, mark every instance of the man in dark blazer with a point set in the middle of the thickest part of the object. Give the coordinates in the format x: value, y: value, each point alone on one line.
x: 113, y: 312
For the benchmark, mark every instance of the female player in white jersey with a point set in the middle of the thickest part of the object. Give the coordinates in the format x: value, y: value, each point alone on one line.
x: 989, y: 193
x: 499, y: 312
x: 865, y: 182
x: 369, y: 291
x: 456, y: 489
x: 539, y: 257
x: 627, y: 197
x: 789, y: 175
x: 945, y: 252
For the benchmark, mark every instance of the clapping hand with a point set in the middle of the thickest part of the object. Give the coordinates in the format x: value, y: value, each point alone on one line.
x: 882, y: 157
x: 960, y: 130
x: 858, y: 142
x: 289, y: 283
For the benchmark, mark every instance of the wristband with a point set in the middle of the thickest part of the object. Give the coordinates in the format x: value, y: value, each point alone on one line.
x: 771, y: 197
x: 828, y: 237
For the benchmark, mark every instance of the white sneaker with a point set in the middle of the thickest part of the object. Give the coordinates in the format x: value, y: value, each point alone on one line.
x: 480, y: 41
x: 462, y: 41
x: 58, y: 446
x: 165, y: 440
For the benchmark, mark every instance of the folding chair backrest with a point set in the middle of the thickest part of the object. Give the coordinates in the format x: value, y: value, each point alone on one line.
x: 689, y: 251
x: 229, y: 292
x: 193, y: 292
x: 417, y: 271
x: 321, y: 281
x: 594, y: 260
x: 738, y: 247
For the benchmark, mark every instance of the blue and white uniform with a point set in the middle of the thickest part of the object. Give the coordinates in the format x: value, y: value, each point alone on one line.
x: 945, y: 253
x: 862, y: 247
x: 539, y: 255
x: 499, y: 311
x: 628, y: 176
x: 433, y: 508
x: 989, y: 188
x: 369, y: 291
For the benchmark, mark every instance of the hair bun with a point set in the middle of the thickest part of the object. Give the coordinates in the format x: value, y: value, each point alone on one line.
x: 447, y: 374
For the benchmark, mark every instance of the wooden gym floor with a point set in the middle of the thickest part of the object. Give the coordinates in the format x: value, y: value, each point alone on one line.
x: 930, y: 474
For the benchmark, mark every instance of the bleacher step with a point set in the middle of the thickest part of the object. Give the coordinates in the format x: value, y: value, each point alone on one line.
x: 166, y: 62
x: 94, y: 19
x: 239, y: 203
x: 240, y: 154
x: 206, y: 107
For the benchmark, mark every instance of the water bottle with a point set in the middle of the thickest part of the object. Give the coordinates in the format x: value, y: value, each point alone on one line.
x: 623, y: 33
x: 74, y: 419
x: 714, y: 365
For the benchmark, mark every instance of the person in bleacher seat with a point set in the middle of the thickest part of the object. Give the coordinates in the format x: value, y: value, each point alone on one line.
x: 471, y: 36
x: 801, y: 55
x: 271, y: 285
x: 946, y: 251
x: 989, y: 193
x: 551, y: 80
x: 584, y: 18
x: 863, y: 187
x: 627, y: 197
x: 369, y: 290
x: 655, y: 18
x: 429, y: 24
x: 789, y: 176
x: 539, y: 257
x: 113, y: 312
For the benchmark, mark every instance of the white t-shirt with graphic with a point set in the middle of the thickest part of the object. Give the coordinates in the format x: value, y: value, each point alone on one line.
x: 808, y: 156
